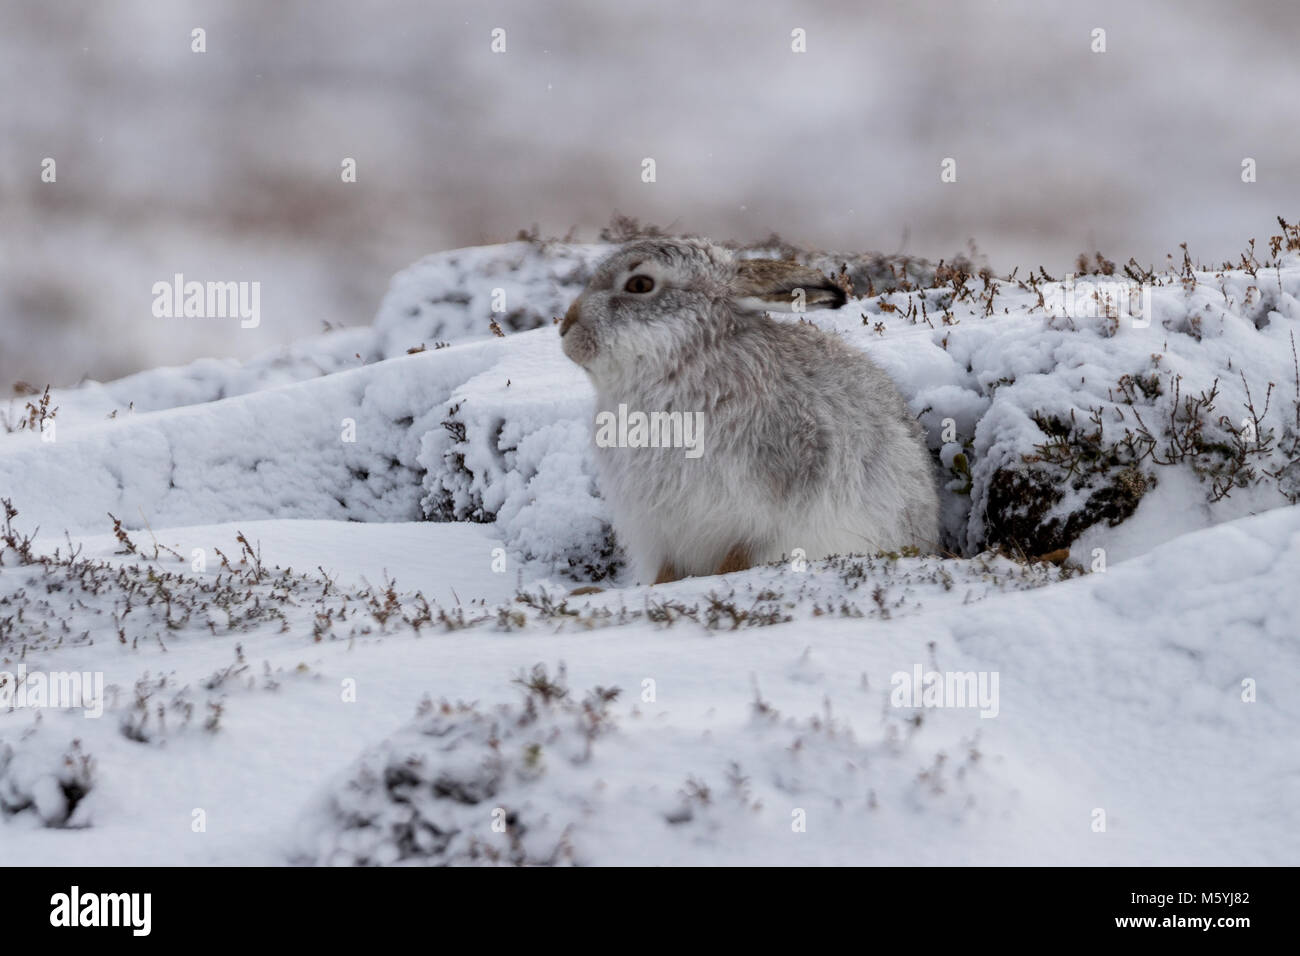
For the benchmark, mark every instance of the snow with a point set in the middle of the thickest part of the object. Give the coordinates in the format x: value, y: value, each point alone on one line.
x: 349, y: 684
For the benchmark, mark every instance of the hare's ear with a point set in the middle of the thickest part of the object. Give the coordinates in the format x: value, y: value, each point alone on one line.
x: 775, y: 285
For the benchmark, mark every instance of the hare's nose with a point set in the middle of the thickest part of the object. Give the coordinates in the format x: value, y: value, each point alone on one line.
x: 572, y: 315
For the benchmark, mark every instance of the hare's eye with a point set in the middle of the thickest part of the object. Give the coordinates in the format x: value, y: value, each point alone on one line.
x: 640, y: 285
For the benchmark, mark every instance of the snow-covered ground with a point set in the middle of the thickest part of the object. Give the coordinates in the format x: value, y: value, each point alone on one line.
x: 301, y: 667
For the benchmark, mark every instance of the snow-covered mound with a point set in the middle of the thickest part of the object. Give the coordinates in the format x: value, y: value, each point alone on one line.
x: 1054, y: 423
x: 328, y: 595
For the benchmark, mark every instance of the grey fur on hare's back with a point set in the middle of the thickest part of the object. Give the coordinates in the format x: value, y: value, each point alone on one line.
x: 806, y: 443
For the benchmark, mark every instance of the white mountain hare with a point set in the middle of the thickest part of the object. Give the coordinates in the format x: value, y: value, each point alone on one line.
x: 803, y: 443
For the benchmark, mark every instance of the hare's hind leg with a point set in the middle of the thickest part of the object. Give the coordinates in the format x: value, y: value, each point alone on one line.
x: 667, y: 573
x: 737, y: 559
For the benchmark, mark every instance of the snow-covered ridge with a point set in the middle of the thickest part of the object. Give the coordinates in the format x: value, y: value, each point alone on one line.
x: 1051, y: 430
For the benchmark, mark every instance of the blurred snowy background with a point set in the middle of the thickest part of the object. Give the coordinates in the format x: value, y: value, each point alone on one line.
x: 225, y: 165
